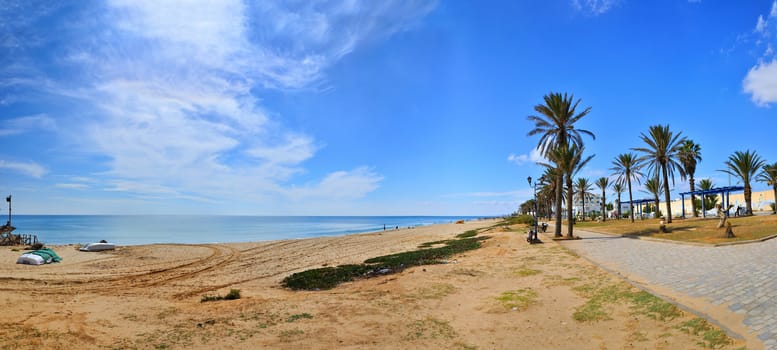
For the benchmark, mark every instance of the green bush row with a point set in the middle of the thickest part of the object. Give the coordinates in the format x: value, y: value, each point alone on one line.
x: 329, y: 277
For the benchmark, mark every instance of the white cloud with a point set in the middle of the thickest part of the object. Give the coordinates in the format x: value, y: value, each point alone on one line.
x: 27, y: 168
x: 761, y: 83
x: 517, y: 193
x: 75, y: 186
x: 294, y: 149
x: 341, y: 185
x: 25, y: 124
x: 761, y: 80
x: 773, y: 12
x: 761, y: 25
x: 534, y: 156
x: 170, y: 92
x: 594, y: 7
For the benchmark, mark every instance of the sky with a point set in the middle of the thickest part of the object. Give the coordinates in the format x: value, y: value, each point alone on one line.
x: 360, y: 107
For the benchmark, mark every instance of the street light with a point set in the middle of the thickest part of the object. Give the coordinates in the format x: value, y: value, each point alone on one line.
x: 533, y: 237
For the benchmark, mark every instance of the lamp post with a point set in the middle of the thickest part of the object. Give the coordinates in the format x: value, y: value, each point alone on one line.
x: 533, y: 238
x: 8, y: 199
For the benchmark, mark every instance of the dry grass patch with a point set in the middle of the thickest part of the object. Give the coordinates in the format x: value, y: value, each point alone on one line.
x: 525, y: 271
x: 435, y: 291
x: 518, y: 299
x: 691, y: 229
x: 430, y: 328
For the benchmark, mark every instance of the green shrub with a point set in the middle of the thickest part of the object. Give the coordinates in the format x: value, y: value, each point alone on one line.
x: 325, y: 277
x: 519, y: 220
x: 233, y: 294
x: 330, y: 277
x: 467, y: 234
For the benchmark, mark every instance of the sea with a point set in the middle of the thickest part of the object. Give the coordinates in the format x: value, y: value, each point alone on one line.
x: 149, y: 229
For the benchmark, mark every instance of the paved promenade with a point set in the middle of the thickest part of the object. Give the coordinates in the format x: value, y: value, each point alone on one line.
x: 742, y: 277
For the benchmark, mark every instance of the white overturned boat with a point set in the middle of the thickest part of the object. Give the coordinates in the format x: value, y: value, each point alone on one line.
x: 97, y: 247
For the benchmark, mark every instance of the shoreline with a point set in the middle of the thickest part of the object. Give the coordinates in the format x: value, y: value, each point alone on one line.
x: 126, y: 230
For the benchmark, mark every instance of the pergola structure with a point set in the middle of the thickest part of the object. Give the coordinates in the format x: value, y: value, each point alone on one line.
x: 724, y: 191
x: 639, y: 202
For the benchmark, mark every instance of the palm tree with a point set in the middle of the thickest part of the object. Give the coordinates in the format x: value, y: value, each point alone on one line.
x: 626, y: 168
x: 709, y: 200
x: 661, y: 155
x: 556, y: 125
x: 548, y: 182
x: 618, y: 188
x: 690, y: 155
x: 653, y: 186
x: 583, y: 189
x: 569, y: 160
x: 744, y: 165
x: 603, y: 183
x: 769, y: 176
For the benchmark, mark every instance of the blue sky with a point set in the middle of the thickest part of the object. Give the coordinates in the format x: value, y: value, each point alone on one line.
x: 359, y: 108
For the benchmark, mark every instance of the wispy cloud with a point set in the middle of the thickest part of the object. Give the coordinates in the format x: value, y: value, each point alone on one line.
x: 75, y: 186
x: 28, y: 123
x: 341, y: 185
x: 594, y: 7
x: 516, y: 193
x: 170, y: 92
x: 27, y: 168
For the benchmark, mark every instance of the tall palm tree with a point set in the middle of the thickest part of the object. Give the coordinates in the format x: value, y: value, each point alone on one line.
x: 690, y: 155
x: 625, y: 168
x: 769, y: 176
x: 603, y: 183
x: 744, y: 165
x: 661, y: 155
x: 583, y: 189
x: 555, y: 123
x: 618, y: 188
x: 569, y: 160
x: 653, y: 186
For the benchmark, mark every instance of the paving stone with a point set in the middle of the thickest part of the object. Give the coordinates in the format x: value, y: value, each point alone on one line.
x: 741, y: 275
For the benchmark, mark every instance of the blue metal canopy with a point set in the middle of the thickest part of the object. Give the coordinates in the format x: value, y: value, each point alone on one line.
x: 722, y: 190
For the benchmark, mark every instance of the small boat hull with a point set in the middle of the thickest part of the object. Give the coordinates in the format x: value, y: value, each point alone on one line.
x: 30, y: 259
x: 97, y: 247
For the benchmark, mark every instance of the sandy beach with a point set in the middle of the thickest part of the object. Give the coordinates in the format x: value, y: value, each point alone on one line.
x: 505, y: 295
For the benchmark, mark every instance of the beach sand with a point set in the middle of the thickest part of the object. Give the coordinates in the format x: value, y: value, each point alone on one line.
x: 505, y: 295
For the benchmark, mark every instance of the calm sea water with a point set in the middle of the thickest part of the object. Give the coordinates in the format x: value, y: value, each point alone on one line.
x: 129, y: 230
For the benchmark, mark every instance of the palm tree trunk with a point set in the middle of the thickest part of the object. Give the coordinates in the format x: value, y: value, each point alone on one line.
x: 604, y: 217
x: 666, y: 196
x: 631, y: 201
x: 583, y: 199
x: 559, y: 195
x: 619, y: 206
x: 570, y: 219
x: 693, y: 198
x: 748, y: 199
